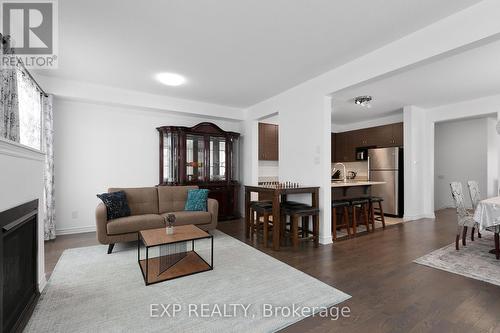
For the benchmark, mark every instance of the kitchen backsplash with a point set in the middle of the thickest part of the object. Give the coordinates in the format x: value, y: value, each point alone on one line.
x: 361, y: 169
x: 268, y: 171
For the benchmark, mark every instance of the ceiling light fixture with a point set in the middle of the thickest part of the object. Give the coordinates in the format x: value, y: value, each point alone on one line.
x: 364, y: 101
x: 171, y: 79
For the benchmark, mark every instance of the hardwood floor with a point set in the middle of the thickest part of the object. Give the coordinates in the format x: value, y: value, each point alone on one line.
x: 389, y: 292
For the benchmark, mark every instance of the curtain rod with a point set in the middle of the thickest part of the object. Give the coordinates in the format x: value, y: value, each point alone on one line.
x: 6, y: 40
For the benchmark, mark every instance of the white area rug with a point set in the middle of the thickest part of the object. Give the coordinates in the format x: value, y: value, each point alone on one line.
x: 91, y: 291
x: 472, y: 261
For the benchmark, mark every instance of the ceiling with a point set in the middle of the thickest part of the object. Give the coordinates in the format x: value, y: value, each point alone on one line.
x: 233, y: 53
x: 471, y: 74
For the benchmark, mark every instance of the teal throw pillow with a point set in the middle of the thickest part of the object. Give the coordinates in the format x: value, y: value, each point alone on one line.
x: 196, y: 200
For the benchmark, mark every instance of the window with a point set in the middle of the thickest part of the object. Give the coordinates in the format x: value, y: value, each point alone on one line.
x: 30, y: 111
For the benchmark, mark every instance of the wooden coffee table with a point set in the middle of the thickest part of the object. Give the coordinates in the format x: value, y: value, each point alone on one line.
x: 176, y: 255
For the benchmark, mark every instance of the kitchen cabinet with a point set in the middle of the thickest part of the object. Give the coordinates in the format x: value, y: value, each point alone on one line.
x: 345, y: 149
x: 344, y: 144
x: 268, y: 142
x: 397, y: 134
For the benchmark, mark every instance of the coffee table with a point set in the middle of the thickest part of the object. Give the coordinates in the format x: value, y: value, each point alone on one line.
x: 176, y: 256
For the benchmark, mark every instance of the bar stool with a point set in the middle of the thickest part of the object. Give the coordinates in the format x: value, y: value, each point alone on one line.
x: 379, y: 210
x: 362, y: 204
x: 340, y: 206
x: 302, y: 211
x: 305, y: 220
x: 260, y: 210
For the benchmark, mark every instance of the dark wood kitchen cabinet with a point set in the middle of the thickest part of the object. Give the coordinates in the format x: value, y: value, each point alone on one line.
x: 268, y: 142
x: 345, y: 149
x: 344, y: 144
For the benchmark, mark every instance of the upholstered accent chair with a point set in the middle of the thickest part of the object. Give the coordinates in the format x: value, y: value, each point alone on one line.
x: 475, y: 197
x: 464, y: 217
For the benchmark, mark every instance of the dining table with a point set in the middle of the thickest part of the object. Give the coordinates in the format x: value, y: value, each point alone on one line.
x: 487, y: 215
x: 279, y: 194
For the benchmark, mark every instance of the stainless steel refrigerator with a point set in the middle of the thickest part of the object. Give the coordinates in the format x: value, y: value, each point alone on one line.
x: 386, y: 165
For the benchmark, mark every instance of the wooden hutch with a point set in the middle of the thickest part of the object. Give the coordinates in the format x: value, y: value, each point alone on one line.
x: 206, y: 156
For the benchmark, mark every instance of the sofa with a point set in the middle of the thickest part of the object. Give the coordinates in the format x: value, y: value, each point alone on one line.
x: 148, y: 207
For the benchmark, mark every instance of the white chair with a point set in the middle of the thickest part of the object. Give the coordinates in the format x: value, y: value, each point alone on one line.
x: 475, y: 197
x: 464, y: 218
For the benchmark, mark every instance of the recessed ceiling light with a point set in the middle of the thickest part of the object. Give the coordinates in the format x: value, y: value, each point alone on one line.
x: 363, y: 101
x: 171, y: 79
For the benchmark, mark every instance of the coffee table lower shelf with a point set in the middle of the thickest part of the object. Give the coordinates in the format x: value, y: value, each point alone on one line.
x: 192, y: 263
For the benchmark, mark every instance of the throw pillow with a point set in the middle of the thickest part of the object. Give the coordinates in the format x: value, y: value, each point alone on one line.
x: 197, y: 200
x: 116, y: 204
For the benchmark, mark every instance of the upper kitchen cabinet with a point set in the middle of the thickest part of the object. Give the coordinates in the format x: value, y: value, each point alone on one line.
x: 397, y: 134
x: 268, y: 142
x: 344, y: 144
x: 345, y: 147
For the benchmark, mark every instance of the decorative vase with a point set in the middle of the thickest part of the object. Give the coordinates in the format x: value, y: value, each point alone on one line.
x: 170, y: 230
x: 169, y: 221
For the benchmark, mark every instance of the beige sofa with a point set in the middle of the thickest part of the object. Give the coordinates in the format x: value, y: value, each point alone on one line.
x: 148, y: 207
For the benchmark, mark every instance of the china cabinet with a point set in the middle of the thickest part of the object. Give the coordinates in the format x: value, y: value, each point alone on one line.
x: 202, y: 155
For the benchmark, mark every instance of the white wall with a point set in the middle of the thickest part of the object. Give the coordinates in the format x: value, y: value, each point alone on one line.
x: 99, y: 146
x: 338, y: 128
x: 419, y: 127
x: 21, y: 180
x: 460, y: 154
x: 493, y: 152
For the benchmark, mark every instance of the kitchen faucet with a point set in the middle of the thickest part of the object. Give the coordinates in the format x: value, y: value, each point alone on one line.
x: 345, y: 173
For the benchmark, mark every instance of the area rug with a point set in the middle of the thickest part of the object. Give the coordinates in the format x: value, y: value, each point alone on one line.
x: 91, y: 291
x: 472, y: 261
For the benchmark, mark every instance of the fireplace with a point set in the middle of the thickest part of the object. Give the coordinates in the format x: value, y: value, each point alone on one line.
x: 19, y: 271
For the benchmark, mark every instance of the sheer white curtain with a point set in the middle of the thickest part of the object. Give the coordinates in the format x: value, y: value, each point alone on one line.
x: 48, y: 140
x: 9, y: 110
x: 30, y: 111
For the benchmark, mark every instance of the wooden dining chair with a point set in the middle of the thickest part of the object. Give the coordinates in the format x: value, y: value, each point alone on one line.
x: 475, y: 197
x: 464, y: 218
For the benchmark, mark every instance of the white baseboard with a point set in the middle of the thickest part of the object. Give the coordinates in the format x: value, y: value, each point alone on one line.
x: 75, y: 230
x: 42, y: 283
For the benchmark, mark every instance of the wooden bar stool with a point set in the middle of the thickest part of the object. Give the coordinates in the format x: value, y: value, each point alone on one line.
x: 295, y: 214
x: 340, y: 206
x: 361, y: 204
x: 304, y: 230
x: 260, y: 210
x: 376, y: 210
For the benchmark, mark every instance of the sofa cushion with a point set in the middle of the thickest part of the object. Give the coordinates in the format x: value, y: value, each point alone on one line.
x: 134, y: 223
x: 141, y: 200
x: 185, y: 217
x: 196, y: 200
x: 173, y: 198
x: 116, y: 204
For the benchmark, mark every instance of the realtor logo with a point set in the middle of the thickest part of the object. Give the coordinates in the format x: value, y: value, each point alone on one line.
x: 31, y: 29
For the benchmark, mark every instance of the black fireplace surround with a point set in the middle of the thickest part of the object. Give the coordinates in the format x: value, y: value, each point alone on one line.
x: 19, y: 271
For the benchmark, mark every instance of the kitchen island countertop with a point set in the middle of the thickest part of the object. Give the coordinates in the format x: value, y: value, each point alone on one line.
x: 350, y: 183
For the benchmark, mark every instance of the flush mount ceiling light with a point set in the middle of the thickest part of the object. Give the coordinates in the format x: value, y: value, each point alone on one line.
x: 171, y: 79
x: 364, y: 101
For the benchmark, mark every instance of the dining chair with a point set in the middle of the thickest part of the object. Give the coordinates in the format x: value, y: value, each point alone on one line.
x: 475, y: 197
x: 464, y: 218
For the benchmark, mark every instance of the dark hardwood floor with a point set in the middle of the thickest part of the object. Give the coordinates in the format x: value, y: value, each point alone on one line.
x: 389, y: 292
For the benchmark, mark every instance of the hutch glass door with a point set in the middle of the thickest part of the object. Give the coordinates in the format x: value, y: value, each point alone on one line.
x: 195, y: 158
x: 217, y: 158
x: 170, y: 160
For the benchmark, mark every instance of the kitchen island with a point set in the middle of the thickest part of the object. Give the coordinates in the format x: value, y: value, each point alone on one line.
x: 356, y: 188
x: 350, y: 183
